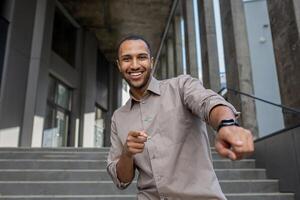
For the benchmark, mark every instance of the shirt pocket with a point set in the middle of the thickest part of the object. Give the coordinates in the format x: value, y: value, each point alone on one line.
x: 173, y: 125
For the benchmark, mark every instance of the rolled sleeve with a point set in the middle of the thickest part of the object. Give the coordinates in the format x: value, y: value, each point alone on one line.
x: 200, y: 100
x: 113, y: 157
x: 218, y: 101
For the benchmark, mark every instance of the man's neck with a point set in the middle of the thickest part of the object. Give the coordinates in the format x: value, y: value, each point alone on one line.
x: 138, y: 94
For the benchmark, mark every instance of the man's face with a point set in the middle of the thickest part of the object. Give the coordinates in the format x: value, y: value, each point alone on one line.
x: 135, y: 63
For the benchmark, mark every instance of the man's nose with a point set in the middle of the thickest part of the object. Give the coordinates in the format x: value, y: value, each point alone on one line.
x: 135, y: 64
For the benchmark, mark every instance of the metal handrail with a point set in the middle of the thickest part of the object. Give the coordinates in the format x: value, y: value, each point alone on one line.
x: 164, y: 36
x: 293, y: 110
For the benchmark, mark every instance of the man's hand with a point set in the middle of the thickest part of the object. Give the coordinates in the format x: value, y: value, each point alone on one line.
x: 135, y: 143
x: 234, y: 142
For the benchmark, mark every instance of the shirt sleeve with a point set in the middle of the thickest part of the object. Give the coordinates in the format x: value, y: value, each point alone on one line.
x: 200, y: 100
x: 114, y: 155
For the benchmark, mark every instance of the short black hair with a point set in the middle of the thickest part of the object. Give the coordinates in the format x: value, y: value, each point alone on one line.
x: 133, y: 37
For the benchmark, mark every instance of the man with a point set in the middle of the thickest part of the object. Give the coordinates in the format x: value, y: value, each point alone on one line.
x: 161, y: 132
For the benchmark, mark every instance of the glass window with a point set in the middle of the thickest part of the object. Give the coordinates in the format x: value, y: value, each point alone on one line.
x: 99, y: 127
x: 3, y: 34
x: 64, y: 37
x: 56, y: 129
x: 62, y: 97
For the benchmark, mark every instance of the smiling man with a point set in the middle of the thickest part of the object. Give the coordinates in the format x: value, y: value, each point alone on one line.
x: 161, y: 132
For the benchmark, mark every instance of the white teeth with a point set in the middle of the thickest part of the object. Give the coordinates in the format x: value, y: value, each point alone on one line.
x: 135, y: 73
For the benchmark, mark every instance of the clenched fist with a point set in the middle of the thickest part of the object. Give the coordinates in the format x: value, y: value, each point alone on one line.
x: 234, y: 142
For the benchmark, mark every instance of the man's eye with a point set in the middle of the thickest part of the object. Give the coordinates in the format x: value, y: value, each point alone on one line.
x: 143, y: 57
x: 126, y: 59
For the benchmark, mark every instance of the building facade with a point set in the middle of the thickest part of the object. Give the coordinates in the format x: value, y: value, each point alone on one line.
x: 57, y: 88
x: 60, y: 85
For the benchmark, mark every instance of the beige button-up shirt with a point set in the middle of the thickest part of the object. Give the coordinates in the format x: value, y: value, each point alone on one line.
x: 176, y: 162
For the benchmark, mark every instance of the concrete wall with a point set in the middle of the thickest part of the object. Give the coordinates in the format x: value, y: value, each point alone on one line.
x: 89, y: 89
x: 237, y: 61
x: 280, y: 155
x: 15, y: 70
x: 286, y: 40
x: 209, y: 49
x: 264, y: 73
x: 46, y: 15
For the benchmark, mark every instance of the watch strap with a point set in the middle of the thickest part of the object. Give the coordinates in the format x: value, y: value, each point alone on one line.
x: 227, y: 122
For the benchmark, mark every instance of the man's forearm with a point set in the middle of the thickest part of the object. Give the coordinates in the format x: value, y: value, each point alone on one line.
x: 125, y: 168
x: 219, y: 113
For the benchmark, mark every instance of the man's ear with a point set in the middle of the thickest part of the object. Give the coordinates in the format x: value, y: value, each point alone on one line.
x: 118, y: 64
x: 152, y: 62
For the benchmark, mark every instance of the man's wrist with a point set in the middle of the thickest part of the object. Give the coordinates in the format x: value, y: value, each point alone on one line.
x: 126, y: 153
x: 227, y: 122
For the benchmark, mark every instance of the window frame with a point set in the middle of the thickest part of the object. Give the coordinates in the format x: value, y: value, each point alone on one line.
x: 53, y: 106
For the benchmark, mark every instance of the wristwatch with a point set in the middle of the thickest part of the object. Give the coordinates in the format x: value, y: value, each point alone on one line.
x: 227, y: 122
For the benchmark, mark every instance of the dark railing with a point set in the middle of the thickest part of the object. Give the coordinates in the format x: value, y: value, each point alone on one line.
x: 283, y: 107
x: 164, y: 36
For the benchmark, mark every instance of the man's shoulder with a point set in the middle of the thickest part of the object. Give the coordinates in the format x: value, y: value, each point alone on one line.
x: 121, y: 109
x: 176, y: 81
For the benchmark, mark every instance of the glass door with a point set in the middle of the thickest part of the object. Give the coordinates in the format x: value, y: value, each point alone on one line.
x: 99, y: 127
x: 56, y: 129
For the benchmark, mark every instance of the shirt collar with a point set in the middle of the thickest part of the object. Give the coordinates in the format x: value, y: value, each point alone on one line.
x: 153, y: 87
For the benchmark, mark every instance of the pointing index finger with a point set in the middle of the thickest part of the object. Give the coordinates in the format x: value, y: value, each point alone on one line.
x: 138, y: 133
x: 142, y: 133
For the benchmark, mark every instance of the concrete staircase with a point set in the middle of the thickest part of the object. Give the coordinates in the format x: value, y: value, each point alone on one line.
x: 79, y: 173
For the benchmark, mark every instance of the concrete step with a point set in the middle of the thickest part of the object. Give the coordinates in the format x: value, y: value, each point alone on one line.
x: 248, y: 186
x: 63, y: 188
x: 75, y: 173
x: 228, y: 164
x: 54, y: 155
x: 107, y: 187
x: 63, y: 149
x: 101, y: 174
x: 261, y: 196
x: 91, y: 162
x: 68, y: 154
x: 60, y: 149
x: 68, y: 197
x: 51, y: 164
x: 53, y: 175
x: 237, y: 174
x: 238, y: 196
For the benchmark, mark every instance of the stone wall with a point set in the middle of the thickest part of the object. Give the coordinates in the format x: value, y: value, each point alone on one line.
x: 286, y: 43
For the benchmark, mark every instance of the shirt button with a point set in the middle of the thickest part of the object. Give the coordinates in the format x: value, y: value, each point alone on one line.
x: 143, y: 102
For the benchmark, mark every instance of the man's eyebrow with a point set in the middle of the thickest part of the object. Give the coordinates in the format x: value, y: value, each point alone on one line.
x: 129, y: 55
x: 126, y: 55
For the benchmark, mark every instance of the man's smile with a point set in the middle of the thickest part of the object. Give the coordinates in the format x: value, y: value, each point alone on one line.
x: 135, y: 75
